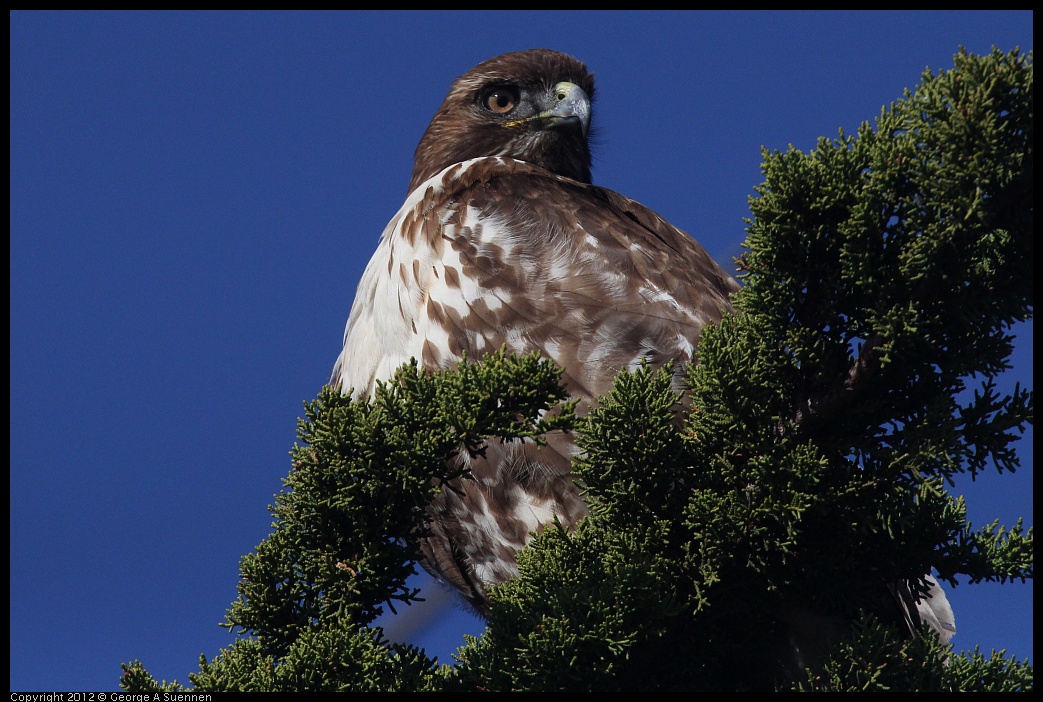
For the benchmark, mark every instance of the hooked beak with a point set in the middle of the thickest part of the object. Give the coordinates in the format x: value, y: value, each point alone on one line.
x: 571, y: 106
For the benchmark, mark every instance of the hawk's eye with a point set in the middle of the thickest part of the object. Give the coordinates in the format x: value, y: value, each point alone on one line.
x: 501, y: 100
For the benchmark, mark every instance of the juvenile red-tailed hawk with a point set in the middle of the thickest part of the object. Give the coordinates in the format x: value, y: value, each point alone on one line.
x: 503, y: 240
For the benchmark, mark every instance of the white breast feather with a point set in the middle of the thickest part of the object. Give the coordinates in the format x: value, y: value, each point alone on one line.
x: 389, y: 323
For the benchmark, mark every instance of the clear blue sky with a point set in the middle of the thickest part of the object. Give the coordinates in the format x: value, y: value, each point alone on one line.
x: 194, y: 197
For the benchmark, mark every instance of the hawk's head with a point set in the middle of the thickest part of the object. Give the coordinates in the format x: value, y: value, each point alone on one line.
x: 530, y: 105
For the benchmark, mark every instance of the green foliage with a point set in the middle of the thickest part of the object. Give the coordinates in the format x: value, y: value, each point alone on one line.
x: 876, y: 661
x: 804, y: 471
x: 339, y: 658
x: 610, y: 601
x: 344, y: 534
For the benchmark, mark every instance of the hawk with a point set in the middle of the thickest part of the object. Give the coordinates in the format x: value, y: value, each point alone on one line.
x: 503, y: 240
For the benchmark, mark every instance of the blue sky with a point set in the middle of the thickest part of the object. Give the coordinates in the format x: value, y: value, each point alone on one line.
x: 194, y: 197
